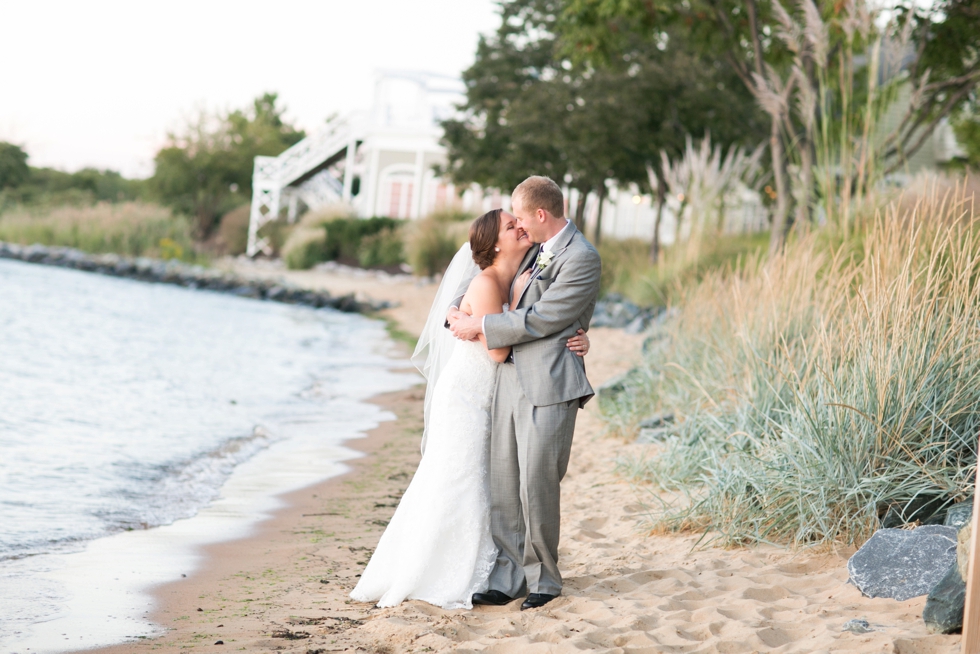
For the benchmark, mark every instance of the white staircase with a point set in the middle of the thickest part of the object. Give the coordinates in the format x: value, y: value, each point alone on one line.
x: 301, y: 173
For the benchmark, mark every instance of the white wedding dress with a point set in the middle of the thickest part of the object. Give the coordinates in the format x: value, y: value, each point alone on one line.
x: 437, y: 547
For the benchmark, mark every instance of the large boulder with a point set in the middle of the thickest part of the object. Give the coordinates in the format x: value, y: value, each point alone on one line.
x: 903, y: 563
x: 943, y: 613
x: 959, y: 514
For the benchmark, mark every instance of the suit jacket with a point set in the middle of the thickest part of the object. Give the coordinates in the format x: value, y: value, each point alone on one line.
x: 557, y: 302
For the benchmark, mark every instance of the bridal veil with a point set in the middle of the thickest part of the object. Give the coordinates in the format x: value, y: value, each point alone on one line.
x: 436, y: 343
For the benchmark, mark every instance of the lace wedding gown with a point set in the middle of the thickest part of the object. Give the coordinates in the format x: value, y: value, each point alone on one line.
x: 437, y: 547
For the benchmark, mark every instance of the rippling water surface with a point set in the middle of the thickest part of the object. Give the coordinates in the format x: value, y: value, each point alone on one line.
x: 126, y: 405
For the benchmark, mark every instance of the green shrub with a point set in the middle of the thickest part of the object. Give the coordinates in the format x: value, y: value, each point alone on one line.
x: 382, y: 250
x: 431, y: 244
x: 302, y: 244
x: 626, y: 267
x: 303, y: 250
x: 327, y: 236
x: 344, y: 236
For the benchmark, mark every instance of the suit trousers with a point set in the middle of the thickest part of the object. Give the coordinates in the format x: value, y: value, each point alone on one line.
x: 529, y: 450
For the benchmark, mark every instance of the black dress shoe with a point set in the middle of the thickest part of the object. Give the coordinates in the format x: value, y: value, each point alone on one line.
x: 492, y: 598
x: 534, y: 600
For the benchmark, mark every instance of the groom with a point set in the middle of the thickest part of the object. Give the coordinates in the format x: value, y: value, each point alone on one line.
x: 538, y: 393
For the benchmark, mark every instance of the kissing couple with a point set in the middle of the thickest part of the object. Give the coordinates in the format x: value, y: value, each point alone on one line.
x: 479, y: 523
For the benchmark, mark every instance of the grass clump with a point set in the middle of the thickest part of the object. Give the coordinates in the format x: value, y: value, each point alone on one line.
x: 819, y: 387
x: 431, y: 242
x: 129, y: 228
x: 627, y: 270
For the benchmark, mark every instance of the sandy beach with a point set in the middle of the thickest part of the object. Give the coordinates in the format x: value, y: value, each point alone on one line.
x: 626, y: 590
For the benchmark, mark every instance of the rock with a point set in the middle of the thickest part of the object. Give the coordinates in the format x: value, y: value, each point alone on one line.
x: 655, y: 428
x: 637, y: 325
x: 959, y: 514
x: 246, y: 291
x: 657, y: 421
x: 943, y: 613
x: 903, y: 563
x: 182, y: 274
x: 614, y: 311
x: 614, y: 391
x: 857, y: 626
x: 920, y: 507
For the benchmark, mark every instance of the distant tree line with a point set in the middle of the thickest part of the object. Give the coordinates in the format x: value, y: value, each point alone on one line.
x: 21, y: 183
x: 203, y: 171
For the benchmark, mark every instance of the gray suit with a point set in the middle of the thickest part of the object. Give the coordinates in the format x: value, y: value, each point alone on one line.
x: 534, y: 409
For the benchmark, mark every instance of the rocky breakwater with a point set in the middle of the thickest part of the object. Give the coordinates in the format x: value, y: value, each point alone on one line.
x: 186, y: 275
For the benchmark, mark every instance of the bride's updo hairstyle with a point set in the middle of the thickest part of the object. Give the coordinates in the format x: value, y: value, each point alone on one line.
x: 483, y: 238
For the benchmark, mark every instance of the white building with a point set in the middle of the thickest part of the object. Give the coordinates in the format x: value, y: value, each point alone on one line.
x: 379, y: 162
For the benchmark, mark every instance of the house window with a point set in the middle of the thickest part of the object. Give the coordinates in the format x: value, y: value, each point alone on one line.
x: 398, y: 191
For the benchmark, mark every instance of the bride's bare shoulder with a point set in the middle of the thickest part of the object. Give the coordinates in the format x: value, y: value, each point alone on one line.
x: 482, y: 283
x: 482, y: 289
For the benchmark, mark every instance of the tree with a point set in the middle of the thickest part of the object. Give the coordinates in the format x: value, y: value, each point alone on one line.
x: 967, y: 130
x: 14, y: 170
x: 206, y: 169
x: 530, y: 110
x: 736, y: 31
x: 786, y: 62
x: 944, y: 72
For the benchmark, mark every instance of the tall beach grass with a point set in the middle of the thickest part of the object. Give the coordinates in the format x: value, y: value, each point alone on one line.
x: 130, y: 228
x: 627, y: 270
x: 819, y: 387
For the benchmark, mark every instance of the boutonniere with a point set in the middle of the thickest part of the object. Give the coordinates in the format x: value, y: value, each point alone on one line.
x: 544, y: 259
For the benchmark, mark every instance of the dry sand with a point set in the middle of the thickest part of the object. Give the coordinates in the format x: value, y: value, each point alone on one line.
x: 285, y: 589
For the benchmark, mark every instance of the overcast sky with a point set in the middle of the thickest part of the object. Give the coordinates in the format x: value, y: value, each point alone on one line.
x: 99, y: 83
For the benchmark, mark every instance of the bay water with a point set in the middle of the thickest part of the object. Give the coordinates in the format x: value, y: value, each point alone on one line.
x: 126, y: 407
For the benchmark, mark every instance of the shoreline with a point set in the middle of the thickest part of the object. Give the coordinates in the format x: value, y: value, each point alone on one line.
x: 189, y: 276
x: 311, y: 533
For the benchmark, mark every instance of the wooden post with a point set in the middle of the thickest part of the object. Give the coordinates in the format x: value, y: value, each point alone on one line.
x: 971, y: 612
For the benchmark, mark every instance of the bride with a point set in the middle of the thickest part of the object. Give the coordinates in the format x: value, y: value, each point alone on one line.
x: 437, y: 547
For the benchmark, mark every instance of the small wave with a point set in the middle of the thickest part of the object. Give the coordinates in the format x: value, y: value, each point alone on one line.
x: 173, y: 490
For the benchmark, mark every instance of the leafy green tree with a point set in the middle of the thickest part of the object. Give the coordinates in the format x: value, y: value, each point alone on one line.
x: 738, y: 32
x: 967, y: 130
x: 206, y: 170
x: 944, y: 72
x: 531, y: 110
x: 750, y: 38
x: 14, y: 170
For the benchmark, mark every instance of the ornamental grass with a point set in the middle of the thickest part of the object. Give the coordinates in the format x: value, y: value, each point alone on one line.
x: 817, y: 388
